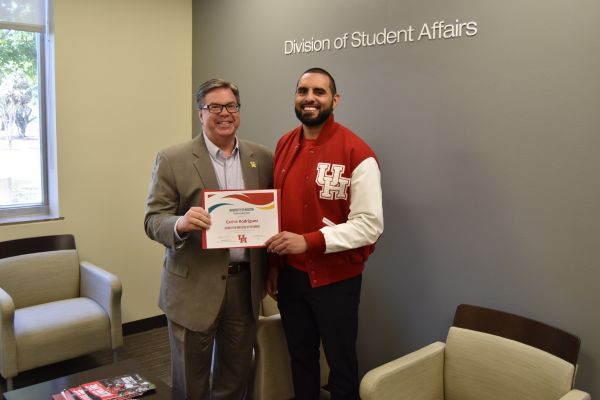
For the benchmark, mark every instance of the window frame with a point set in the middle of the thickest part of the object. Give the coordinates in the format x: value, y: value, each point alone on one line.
x: 47, y: 209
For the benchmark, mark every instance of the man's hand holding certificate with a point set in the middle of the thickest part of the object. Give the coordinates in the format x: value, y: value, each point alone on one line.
x: 240, y: 218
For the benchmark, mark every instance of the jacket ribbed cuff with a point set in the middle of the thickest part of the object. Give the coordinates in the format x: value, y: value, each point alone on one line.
x: 315, y: 242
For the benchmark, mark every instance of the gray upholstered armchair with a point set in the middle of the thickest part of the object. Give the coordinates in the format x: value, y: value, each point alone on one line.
x: 273, y: 374
x: 52, y: 306
x: 488, y: 355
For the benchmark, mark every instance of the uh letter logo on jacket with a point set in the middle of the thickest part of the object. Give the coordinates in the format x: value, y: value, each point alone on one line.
x: 333, y: 185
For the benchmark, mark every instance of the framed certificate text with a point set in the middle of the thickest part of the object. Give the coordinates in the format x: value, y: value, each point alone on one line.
x: 240, y: 218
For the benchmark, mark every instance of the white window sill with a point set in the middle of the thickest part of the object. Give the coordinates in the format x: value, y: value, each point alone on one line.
x: 26, y: 219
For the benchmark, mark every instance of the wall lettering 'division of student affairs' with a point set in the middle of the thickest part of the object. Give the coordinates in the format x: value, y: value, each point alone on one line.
x: 427, y: 31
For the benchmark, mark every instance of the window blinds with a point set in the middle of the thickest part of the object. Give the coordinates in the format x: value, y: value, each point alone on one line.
x: 24, y: 15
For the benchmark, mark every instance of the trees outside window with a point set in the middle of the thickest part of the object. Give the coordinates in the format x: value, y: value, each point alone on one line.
x: 28, y: 181
x: 22, y: 169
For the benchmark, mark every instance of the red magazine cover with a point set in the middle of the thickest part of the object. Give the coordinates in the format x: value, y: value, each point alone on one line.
x: 116, y: 388
x: 128, y: 386
x: 97, y: 391
x: 76, y: 393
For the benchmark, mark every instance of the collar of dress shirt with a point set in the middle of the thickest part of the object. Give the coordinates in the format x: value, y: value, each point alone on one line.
x: 215, y: 151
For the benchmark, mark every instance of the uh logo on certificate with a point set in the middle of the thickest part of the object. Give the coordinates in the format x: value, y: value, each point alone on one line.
x: 240, y: 218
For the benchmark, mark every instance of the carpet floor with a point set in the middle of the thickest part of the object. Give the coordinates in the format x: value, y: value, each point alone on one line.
x: 150, y: 348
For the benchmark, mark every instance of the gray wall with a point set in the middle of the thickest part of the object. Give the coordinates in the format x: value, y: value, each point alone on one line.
x: 489, y: 147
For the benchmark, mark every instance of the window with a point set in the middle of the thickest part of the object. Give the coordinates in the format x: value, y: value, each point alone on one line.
x: 25, y: 180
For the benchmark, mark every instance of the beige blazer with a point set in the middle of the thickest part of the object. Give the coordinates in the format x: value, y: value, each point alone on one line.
x: 193, y: 280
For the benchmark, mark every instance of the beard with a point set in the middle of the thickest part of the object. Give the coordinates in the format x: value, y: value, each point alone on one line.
x: 320, y: 118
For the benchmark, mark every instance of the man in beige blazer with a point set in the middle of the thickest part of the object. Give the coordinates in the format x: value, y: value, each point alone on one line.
x: 209, y: 296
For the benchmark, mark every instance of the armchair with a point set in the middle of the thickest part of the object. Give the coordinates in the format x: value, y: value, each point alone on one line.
x: 489, y: 355
x: 52, y: 306
x: 272, y: 370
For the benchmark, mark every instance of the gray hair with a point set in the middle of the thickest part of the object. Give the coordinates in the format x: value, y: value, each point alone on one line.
x: 212, y: 84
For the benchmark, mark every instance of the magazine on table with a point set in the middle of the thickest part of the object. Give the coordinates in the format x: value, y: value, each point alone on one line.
x: 116, y: 388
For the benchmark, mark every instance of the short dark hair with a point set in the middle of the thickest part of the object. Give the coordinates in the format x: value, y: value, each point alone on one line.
x: 213, y: 84
x: 317, y: 70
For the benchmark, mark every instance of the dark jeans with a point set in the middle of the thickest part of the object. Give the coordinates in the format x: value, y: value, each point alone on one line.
x: 311, y: 315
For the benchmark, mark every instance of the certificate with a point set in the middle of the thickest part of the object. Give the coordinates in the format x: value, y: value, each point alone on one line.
x: 240, y: 218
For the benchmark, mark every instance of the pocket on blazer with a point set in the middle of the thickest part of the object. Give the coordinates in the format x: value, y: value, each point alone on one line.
x: 180, y: 270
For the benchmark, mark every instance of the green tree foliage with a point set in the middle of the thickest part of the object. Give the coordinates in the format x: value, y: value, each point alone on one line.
x: 18, y: 80
x: 18, y: 52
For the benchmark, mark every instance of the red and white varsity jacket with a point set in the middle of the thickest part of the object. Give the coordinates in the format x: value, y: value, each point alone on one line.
x: 341, y: 202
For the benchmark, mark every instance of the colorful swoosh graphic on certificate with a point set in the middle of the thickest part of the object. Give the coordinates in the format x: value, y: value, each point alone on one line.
x: 262, y: 201
x: 210, y: 209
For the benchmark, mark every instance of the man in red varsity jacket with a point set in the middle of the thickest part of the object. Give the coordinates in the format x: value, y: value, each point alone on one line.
x: 331, y: 217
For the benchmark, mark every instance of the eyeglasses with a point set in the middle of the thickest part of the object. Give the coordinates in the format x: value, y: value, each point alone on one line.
x: 218, y: 108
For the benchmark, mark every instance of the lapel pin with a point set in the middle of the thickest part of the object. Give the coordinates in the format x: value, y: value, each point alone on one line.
x: 253, y: 164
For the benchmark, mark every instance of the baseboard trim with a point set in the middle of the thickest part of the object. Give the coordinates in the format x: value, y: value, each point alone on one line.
x: 142, y: 325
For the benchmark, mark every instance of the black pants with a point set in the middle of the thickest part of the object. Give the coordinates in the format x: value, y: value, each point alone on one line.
x: 311, y: 315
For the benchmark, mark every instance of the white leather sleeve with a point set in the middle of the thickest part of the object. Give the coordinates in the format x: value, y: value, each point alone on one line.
x: 365, y: 220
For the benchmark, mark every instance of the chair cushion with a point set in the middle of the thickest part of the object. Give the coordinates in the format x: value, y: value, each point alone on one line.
x: 56, y: 276
x: 268, y: 307
x: 60, y: 330
x: 483, y: 366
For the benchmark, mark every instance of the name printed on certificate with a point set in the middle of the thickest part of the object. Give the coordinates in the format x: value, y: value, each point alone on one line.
x: 240, y: 218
